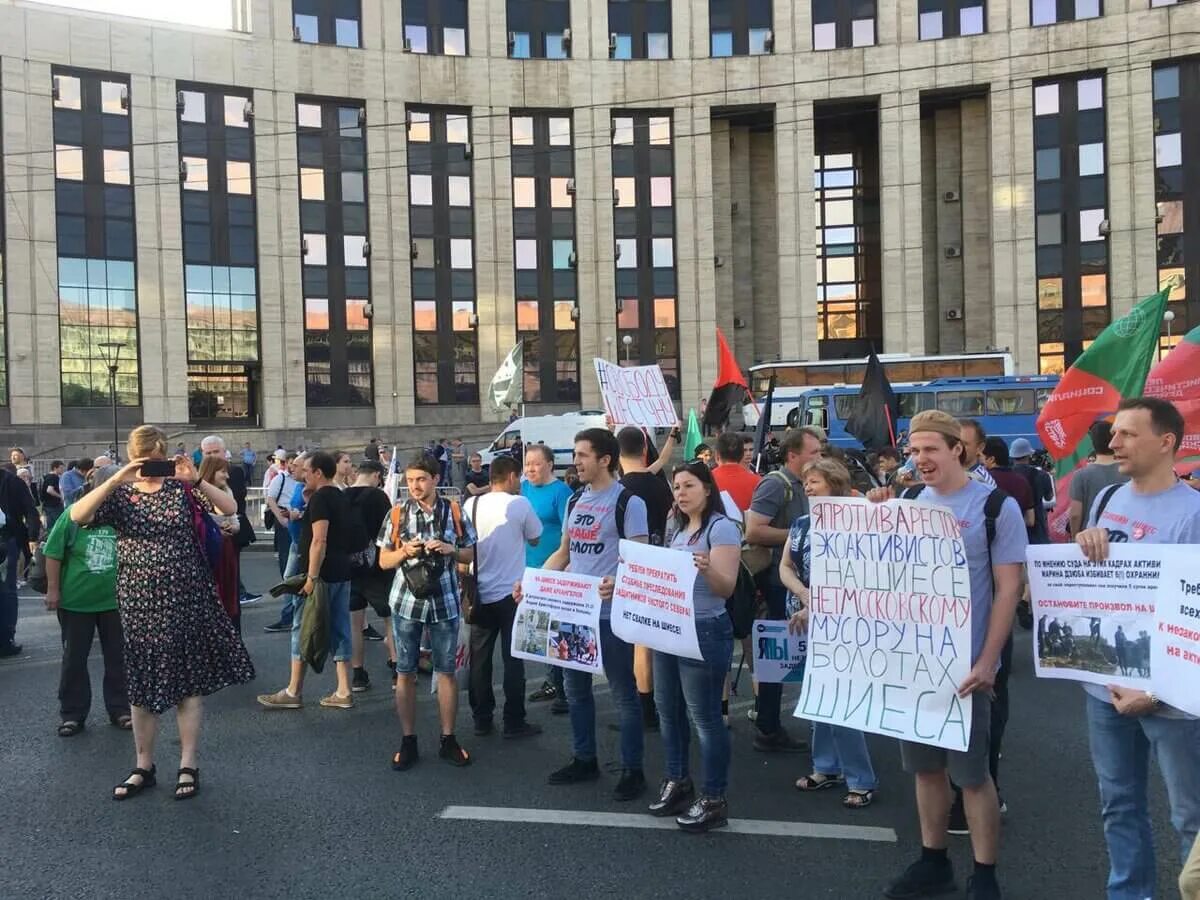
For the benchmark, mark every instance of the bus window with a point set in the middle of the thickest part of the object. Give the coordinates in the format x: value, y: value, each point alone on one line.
x: 911, y: 404
x: 1010, y: 402
x: 1043, y: 394
x: 843, y: 405
x: 817, y: 414
x: 506, y: 440
x: 961, y: 403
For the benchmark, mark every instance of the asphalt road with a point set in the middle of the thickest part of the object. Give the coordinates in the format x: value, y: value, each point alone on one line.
x: 305, y: 804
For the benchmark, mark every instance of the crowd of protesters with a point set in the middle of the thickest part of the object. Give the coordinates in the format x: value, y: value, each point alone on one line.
x: 442, y: 572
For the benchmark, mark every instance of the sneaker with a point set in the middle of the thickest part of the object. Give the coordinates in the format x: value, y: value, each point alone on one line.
x: 924, y: 878
x: 10, y: 650
x: 958, y: 818
x: 451, y: 752
x: 574, y: 772
x: 1003, y: 807
x: 705, y: 814
x: 560, y: 707
x: 546, y: 692
x: 752, y: 714
x: 630, y: 786
x: 407, y: 755
x: 779, y: 742
x: 370, y: 634
x: 247, y: 599
x: 337, y: 701
x: 361, y: 681
x: 982, y: 888
x: 281, y: 700
x: 483, y: 727
x: 276, y: 627
x: 524, y: 729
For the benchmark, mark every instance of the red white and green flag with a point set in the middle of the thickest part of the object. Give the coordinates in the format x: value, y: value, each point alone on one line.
x: 1112, y: 369
x: 1177, y: 378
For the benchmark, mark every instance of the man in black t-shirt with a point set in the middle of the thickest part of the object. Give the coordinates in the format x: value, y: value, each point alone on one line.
x: 479, y: 479
x: 369, y: 584
x: 51, y: 493
x: 323, y: 556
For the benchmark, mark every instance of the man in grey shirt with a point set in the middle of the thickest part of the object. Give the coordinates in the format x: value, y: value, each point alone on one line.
x: 1095, y: 476
x: 778, y: 501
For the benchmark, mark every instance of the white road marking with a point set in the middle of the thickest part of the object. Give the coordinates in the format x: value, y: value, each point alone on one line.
x: 631, y: 820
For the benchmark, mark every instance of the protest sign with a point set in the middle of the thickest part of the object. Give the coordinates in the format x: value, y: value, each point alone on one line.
x: 889, y: 633
x: 1175, y: 651
x: 652, y: 599
x: 778, y: 654
x: 636, y: 395
x: 558, y: 620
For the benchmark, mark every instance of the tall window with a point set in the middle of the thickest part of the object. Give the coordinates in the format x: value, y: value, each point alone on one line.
x: 1070, y: 199
x: 639, y: 29
x: 1177, y: 187
x: 543, y: 169
x: 327, y: 22
x: 436, y: 26
x: 539, y: 29
x: 950, y: 18
x: 843, y: 23
x: 1048, y: 12
x: 441, y: 216
x: 216, y: 149
x: 846, y: 191
x: 96, y: 246
x: 644, y: 226
x: 740, y: 27
x: 336, y: 255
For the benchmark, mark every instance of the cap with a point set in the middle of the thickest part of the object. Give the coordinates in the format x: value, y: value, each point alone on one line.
x: 935, y: 420
x: 1020, y: 449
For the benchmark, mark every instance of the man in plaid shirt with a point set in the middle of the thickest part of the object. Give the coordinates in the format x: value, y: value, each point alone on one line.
x: 423, y: 538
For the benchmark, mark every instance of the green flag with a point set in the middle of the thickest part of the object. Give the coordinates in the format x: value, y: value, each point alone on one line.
x: 693, y: 439
x: 1112, y: 369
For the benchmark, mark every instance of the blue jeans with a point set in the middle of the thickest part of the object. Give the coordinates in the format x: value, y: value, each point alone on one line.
x: 339, y: 622
x: 843, y: 751
x: 283, y: 546
x: 443, y: 637
x: 618, y: 668
x: 690, y: 688
x: 1121, y: 748
x: 10, y: 560
x: 291, y: 605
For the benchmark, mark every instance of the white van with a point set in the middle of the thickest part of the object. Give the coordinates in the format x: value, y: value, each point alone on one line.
x: 556, y: 432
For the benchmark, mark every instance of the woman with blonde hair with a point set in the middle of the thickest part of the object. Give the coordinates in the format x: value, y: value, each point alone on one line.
x: 840, y: 755
x: 215, y: 471
x: 179, y: 643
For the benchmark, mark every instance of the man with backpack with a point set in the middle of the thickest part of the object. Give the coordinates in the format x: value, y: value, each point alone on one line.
x: 599, y: 516
x: 994, y: 539
x: 20, y: 527
x: 368, y: 505
x: 778, y: 501
x: 504, y: 521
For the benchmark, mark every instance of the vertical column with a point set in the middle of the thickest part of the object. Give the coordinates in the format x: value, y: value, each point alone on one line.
x: 393, y: 322
x: 34, y: 381
x: 494, y: 279
x: 794, y: 146
x: 978, y: 313
x: 722, y: 230
x: 783, y: 23
x: 487, y: 28
x: 594, y: 237
x: 696, y: 305
x: 900, y: 210
x: 386, y: 256
x: 741, y: 211
x: 947, y: 180
x: 1132, y: 242
x: 764, y: 241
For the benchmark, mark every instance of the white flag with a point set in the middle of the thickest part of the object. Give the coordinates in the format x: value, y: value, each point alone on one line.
x: 391, y: 483
x: 507, y: 383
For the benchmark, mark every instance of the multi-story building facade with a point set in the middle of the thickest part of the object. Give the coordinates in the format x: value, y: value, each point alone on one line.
x: 338, y: 214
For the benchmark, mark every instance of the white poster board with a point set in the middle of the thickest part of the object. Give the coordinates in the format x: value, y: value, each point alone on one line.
x: 889, y: 633
x: 635, y: 395
x: 778, y: 654
x: 652, y: 599
x: 558, y: 620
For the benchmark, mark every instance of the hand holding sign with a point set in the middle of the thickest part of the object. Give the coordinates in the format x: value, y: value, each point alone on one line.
x: 652, y: 599
x: 636, y: 395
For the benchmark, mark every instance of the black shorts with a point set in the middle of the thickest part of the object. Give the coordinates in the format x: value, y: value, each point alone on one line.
x: 373, y: 591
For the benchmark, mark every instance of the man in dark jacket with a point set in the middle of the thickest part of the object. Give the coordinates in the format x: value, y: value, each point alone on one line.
x: 21, y: 528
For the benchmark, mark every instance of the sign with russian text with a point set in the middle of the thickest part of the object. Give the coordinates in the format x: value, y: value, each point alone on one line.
x: 636, y: 395
x: 889, y: 633
x: 652, y: 599
x: 778, y: 653
x: 558, y: 620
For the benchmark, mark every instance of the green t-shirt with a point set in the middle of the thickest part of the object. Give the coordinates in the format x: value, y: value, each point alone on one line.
x: 89, y: 571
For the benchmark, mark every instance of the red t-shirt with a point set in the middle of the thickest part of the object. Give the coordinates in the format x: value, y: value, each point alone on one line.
x: 739, y: 481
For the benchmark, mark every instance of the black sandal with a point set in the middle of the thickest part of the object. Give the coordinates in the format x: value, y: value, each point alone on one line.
x: 69, y: 729
x: 132, y: 790
x: 856, y: 799
x: 123, y: 721
x: 183, y: 786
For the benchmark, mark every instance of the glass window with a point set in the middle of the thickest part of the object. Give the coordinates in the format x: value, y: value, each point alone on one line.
x: 307, y: 27
x: 1045, y: 12
x: 1046, y: 164
x: 420, y: 190
x: 345, y: 32
x: 1087, y: 9
x: 193, y: 107
x: 1045, y: 100
x: 422, y: 253
x: 459, y: 190
x: 1091, y: 93
x: 560, y: 131
x: 824, y: 36
x: 454, y: 41
x: 1050, y: 293
x: 622, y: 130
x: 308, y: 115
x: 1166, y: 83
x: 660, y: 129
x: 524, y: 193
x: 622, y: 46
x: 1010, y: 402
x: 353, y: 187
x: 527, y: 315
x: 416, y: 38
x: 960, y: 403
x: 1094, y: 290
x: 660, y: 190
x: 658, y: 46
x: 1089, y: 224
x: 68, y: 162
x: 113, y: 98
x: 519, y: 45
x: 1168, y: 150
x: 460, y: 253
x: 930, y: 25
x: 970, y: 20
x: 626, y: 253
x: 457, y: 129
x: 356, y: 316
x: 627, y: 312
x: 758, y: 41
x: 863, y: 33
x: 1049, y: 229
x: 314, y: 250
x: 196, y: 175
x: 526, y: 253
x: 722, y: 43
x: 235, y: 112
x: 316, y: 314
x: 237, y: 178
x: 560, y: 197
x: 68, y: 92
x: 418, y: 127
x: 1091, y: 159
x: 522, y: 131
x: 555, y: 48
x: 355, y: 248
x: 562, y: 253
x: 312, y: 184
x: 626, y: 192
x: 1171, y: 214
x: 662, y: 252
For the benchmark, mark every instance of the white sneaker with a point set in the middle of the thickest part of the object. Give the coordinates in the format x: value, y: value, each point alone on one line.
x: 752, y: 715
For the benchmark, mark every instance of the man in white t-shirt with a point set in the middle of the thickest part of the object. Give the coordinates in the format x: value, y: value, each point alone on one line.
x: 504, y: 522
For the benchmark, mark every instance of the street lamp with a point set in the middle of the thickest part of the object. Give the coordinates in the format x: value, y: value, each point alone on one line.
x: 608, y: 347
x: 111, y: 352
x: 628, y: 342
x: 1168, y: 317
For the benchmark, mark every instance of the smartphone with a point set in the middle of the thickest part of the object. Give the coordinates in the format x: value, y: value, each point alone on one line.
x: 158, y: 468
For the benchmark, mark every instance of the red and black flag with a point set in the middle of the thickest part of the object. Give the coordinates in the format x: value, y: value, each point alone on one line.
x: 729, y: 389
x: 873, y: 420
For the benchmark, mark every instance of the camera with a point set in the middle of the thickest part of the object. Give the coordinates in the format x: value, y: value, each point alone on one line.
x: 422, y: 573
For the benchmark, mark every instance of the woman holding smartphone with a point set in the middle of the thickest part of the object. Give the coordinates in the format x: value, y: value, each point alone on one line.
x: 179, y: 643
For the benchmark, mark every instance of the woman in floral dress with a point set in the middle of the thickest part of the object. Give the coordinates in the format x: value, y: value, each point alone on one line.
x: 179, y: 643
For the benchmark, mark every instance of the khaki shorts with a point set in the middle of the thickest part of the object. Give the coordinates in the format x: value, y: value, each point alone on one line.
x: 967, y: 768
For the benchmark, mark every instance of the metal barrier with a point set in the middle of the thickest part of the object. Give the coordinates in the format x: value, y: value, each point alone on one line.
x: 256, y: 503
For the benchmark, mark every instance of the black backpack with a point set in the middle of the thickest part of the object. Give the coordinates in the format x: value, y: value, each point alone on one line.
x: 991, y: 511
x: 355, y: 539
x: 622, y: 504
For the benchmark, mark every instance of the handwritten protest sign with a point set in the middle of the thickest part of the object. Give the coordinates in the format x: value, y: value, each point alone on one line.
x: 778, y: 654
x: 1132, y: 620
x: 889, y: 634
x: 636, y: 395
x: 558, y: 620
x: 652, y: 599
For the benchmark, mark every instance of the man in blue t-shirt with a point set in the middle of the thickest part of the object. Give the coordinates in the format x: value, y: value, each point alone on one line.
x: 1127, y: 726
x: 549, y: 498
